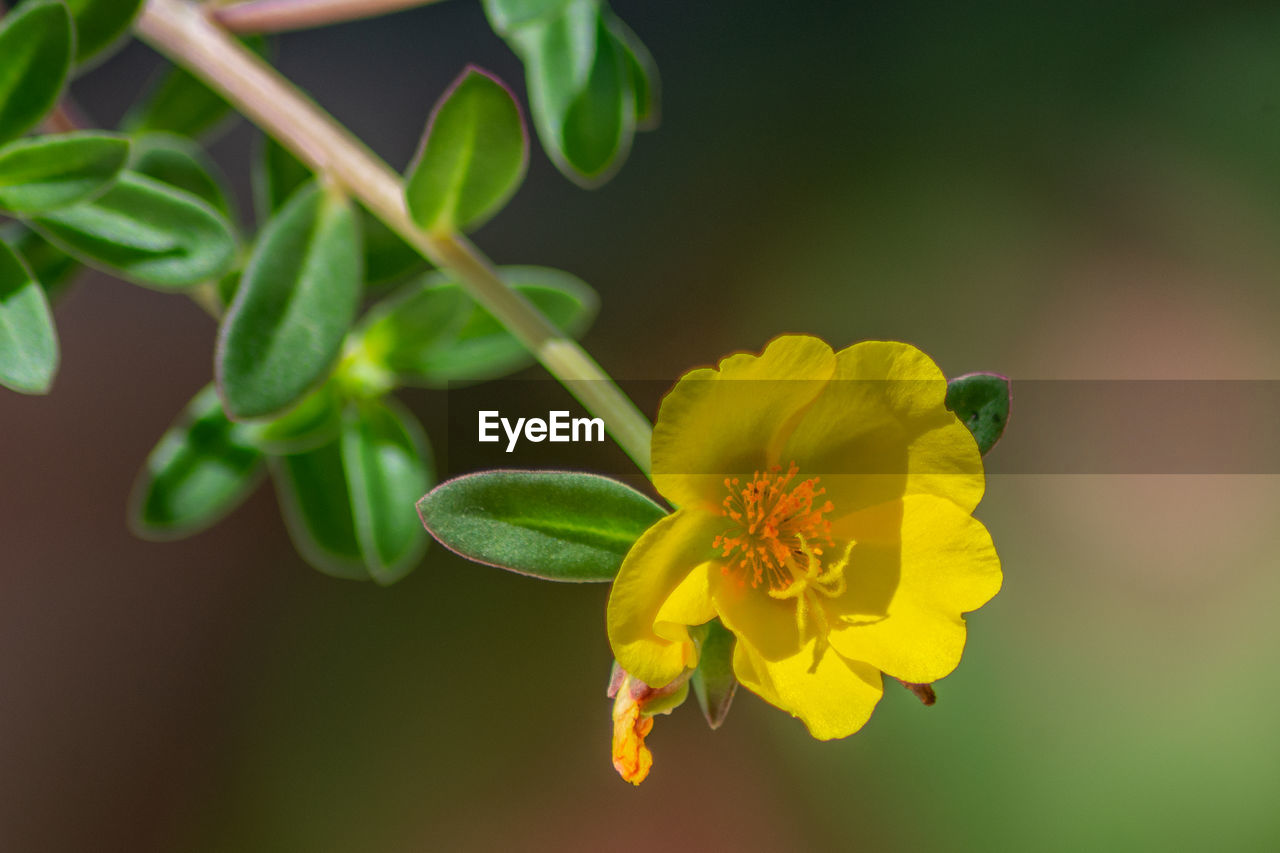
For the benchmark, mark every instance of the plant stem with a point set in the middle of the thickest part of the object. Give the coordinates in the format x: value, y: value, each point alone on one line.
x: 276, y: 16
x: 181, y: 31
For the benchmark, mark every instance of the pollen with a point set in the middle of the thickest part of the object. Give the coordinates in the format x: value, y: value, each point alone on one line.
x: 771, y: 520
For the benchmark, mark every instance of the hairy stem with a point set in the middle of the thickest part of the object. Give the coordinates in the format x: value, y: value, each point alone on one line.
x: 277, y: 16
x: 181, y: 31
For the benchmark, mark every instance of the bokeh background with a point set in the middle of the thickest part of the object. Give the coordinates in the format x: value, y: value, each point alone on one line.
x: 1054, y: 190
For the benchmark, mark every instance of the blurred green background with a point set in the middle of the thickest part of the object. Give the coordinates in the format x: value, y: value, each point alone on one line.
x: 1055, y: 190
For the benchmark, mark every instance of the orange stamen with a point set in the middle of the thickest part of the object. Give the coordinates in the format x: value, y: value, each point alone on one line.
x: 772, y: 522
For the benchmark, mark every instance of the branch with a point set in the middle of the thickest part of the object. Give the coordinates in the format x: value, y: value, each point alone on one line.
x: 180, y: 31
x: 277, y: 16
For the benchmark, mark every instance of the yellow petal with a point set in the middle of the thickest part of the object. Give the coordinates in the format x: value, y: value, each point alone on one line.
x: 689, y: 604
x: 653, y: 569
x: 732, y: 421
x: 880, y: 430
x: 767, y: 623
x: 834, y: 700
x: 901, y: 613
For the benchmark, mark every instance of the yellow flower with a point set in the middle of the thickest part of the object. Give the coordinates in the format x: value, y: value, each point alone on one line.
x: 824, y: 515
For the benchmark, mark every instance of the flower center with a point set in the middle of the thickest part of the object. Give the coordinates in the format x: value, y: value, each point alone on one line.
x: 773, y: 521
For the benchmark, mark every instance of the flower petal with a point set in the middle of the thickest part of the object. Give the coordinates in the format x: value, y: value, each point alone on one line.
x: 767, y: 623
x: 834, y: 699
x: 689, y: 604
x: 653, y: 569
x: 880, y: 430
x: 901, y: 612
x: 731, y: 421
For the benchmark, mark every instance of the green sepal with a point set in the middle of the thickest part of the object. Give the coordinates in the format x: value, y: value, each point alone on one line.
x: 36, y: 41
x: 316, y: 504
x: 28, y: 338
x: 313, y: 421
x: 179, y: 102
x: 44, y: 173
x: 297, y: 298
x: 100, y: 24
x: 473, y: 155
x: 981, y: 401
x: 553, y: 525
x: 147, y: 232
x: 388, y: 465
x: 201, y: 469
x: 714, y: 683
x: 431, y: 333
x: 181, y: 163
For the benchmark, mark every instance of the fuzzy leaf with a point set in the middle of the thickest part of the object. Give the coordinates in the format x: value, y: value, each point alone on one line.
x: 432, y: 333
x: 473, y: 157
x: 35, y: 55
x: 388, y: 466
x: 387, y: 258
x: 179, y: 102
x: 183, y: 164
x: 646, y: 84
x: 295, y: 302
x: 52, y: 267
x: 201, y: 469
x: 44, y: 173
x: 981, y: 401
x: 28, y: 340
x: 315, y: 420
x: 315, y: 502
x: 554, y: 525
x: 146, y: 232
x: 100, y: 23
x: 581, y: 88
x: 277, y: 174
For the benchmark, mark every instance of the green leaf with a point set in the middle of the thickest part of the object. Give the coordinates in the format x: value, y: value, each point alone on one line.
x: 646, y: 84
x: 981, y: 401
x: 35, y: 55
x: 554, y: 525
x: 293, y: 307
x: 388, y: 465
x: 100, y: 23
x: 474, y: 154
x: 146, y: 232
x: 277, y: 175
x: 48, y: 172
x: 201, y: 469
x: 179, y: 102
x: 316, y: 504
x: 314, y: 421
x: 183, y: 164
x: 580, y: 90
x: 52, y: 267
x: 28, y: 340
x: 387, y: 258
x: 713, y: 681
x: 507, y: 15
x: 432, y: 333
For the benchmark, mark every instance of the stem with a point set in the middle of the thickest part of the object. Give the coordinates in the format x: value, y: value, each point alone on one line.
x: 276, y: 16
x: 181, y: 31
